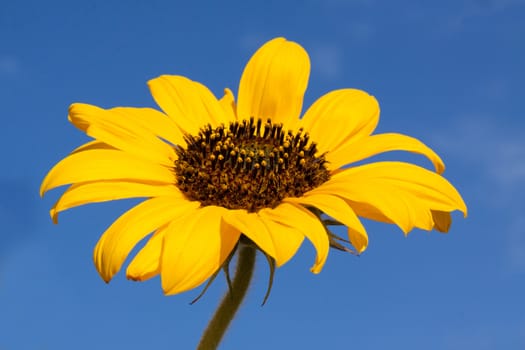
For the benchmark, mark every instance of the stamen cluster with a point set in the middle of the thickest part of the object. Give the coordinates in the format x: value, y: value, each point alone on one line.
x: 248, y: 165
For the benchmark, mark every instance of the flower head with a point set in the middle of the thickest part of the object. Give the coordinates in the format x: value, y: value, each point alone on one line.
x: 214, y: 171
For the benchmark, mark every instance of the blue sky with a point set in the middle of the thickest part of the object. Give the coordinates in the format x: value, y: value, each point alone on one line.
x: 449, y: 73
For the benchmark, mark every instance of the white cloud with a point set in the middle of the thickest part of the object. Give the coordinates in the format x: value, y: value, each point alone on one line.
x: 517, y: 243
x: 497, y: 150
x: 327, y: 60
x: 362, y: 31
x: 484, y: 7
x: 494, y: 156
x: 9, y: 65
x: 508, y: 168
x: 346, y: 2
x: 251, y: 42
x: 501, y: 334
x: 495, y: 89
x: 478, y: 8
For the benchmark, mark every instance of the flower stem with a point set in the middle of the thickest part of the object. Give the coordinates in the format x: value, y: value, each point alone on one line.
x: 231, y: 300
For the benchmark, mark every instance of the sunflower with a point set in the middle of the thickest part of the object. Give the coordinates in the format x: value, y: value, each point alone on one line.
x: 215, y: 172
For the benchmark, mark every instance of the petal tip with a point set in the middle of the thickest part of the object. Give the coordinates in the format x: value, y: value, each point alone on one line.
x: 171, y: 290
x: 54, y: 215
x: 106, y: 279
x: 316, y: 269
x: 133, y: 278
x: 44, y: 187
x: 361, y: 250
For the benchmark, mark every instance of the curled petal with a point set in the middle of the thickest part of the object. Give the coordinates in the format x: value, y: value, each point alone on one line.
x: 228, y: 104
x: 442, y: 220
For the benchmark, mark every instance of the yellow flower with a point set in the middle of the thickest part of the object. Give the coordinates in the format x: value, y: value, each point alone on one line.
x: 214, y: 170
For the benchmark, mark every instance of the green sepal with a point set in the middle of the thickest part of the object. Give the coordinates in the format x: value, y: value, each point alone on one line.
x: 334, y: 243
x: 226, y: 268
x: 331, y: 222
x: 210, y: 280
x: 271, y: 264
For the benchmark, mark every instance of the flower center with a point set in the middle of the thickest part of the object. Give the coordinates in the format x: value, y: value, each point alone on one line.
x: 248, y: 165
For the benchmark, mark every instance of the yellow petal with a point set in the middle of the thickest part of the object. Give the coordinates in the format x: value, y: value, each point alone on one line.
x: 253, y: 227
x: 273, y: 83
x: 100, y: 165
x: 194, y: 248
x: 338, y: 209
x: 120, y: 238
x: 228, y: 105
x: 146, y: 264
x: 101, y: 191
x: 403, y: 193
x: 442, y: 220
x: 286, y: 238
x: 92, y: 145
x: 190, y: 104
x: 154, y: 121
x: 354, y: 151
x: 339, y: 116
x: 121, y: 132
x: 308, y: 224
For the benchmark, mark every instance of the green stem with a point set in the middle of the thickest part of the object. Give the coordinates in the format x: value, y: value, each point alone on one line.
x: 231, y: 301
